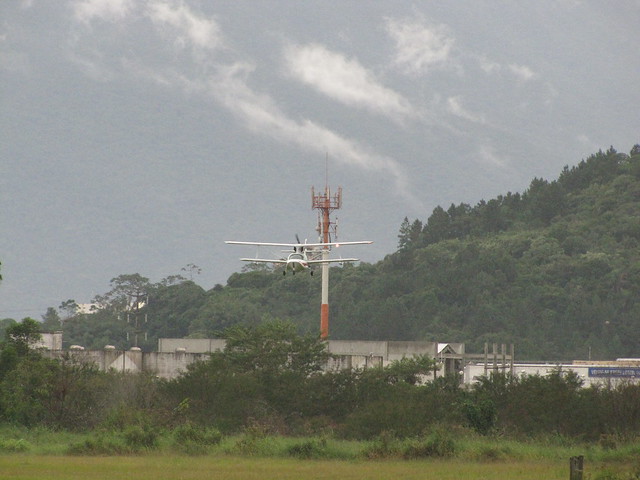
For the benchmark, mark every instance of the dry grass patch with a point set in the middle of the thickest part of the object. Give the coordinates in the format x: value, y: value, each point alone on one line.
x: 151, y: 467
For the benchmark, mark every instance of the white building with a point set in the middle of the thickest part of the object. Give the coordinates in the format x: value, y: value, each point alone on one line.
x: 590, y: 372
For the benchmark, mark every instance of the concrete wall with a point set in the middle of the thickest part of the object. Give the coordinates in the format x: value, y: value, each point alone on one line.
x: 362, y: 348
x: 50, y: 341
x: 388, y: 350
x: 163, y: 365
x: 175, y: 354
x: 346, y: 353
x: 192, y: 345
x: 348, y: 362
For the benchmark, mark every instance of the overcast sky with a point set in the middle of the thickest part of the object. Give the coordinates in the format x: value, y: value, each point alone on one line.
x: 137, y: 135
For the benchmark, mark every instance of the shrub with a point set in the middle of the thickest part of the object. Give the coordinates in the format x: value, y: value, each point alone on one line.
x: 189, y: 433
x: 252, y: 442
x: 14, y: 445
x: 100, y: 445
x: 385, y: 446
x: 309, y: 449
x: 438, y: 443
x: 137, y: 437
x: 480, y: 415
x: 194, y: 440
x: 491, y: 453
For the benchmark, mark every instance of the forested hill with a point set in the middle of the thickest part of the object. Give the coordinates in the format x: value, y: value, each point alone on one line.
x: 554, y: 270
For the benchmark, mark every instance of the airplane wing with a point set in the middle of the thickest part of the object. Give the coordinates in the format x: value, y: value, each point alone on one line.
x: 263, y: 260
x: 334, y: 244
x: 265, y: 244
x: 271, y: 244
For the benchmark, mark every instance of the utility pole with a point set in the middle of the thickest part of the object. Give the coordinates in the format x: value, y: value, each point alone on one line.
x: 325, y: 203
x: 137, y: 300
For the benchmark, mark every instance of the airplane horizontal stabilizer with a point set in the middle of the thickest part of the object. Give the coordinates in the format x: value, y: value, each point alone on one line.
x: 263, y: 260
x: 333, y: 260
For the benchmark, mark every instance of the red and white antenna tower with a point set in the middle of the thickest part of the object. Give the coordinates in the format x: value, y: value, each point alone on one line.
x: 325, y: 203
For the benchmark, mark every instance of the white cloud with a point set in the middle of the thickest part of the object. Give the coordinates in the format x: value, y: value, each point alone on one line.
x: 88, y: 10
x: 201, y: 32
x: 419, y: 47
x: 487, y: 154
x: 489, y: 66
x: 262, y: 116
x: 522, y: 71
x: 93, y: 65
x: 584, y: 139
x: 227, y: 84
x: 455, y: 107
x: 344, y: 80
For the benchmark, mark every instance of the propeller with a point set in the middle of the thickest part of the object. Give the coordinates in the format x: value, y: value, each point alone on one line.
x: 299, y: 243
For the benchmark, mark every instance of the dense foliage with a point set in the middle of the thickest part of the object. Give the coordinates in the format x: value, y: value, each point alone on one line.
x: 268, y: 380
x: 554, y: 270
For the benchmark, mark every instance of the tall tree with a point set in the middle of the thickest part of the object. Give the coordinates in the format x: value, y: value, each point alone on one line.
x: 23, y: 336
x: 125, y: 289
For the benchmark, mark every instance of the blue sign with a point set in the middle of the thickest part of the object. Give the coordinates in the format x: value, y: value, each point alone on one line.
x: 614, y: 372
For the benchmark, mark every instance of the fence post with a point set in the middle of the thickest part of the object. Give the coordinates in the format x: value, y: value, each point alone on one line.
x: 576, y: 465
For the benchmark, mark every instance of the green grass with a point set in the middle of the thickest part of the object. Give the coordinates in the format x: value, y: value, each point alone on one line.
x: 153, y: 467
x: 42, y: 453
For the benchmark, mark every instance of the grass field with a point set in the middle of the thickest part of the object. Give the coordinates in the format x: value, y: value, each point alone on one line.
x: 149, y: 467
x: 37, y: 454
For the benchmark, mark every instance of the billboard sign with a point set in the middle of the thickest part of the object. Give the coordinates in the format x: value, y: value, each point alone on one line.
x: 614, y: 372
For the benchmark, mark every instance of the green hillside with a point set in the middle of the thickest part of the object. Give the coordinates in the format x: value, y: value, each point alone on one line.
x: 554, y: 270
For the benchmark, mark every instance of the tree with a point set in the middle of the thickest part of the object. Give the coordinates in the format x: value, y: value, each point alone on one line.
x: 69, y: 309
x: 23, y: 336
x: 263, y: 373
x: 18, y: 343
x: 125, y: 292
x: 409, y: 233
x: 51, y: 320
x: 438, y: 226
x: 56, y: 393
x: 273, y: 347
x: 191, y: 270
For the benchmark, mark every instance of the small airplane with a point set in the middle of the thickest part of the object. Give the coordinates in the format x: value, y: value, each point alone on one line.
x: 299, y: 259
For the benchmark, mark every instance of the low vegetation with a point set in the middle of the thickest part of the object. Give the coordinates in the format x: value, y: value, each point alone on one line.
x: 265, y: 397
x: 269, y: 381
x: 439, y: 453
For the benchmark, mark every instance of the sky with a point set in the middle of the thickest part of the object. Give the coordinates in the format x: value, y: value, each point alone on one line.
x: 136, y: 136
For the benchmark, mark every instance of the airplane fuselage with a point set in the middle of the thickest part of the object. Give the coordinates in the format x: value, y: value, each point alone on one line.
x: 297, y: 262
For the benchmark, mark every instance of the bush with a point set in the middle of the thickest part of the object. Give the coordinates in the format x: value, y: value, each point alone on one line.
x: 439, y: 443
x: 189, y: 433
x: 100, y: 445
x: 194, y: 440
x: 137, y: 437
x: 14, y: 445
x: 252, y: 442
x: 480, y: 414
x: 132, y: 440
x: 309, y: 449
x: 385, y: 446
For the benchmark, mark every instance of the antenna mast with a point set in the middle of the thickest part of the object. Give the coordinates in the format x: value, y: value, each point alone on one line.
x: 325, y: 203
